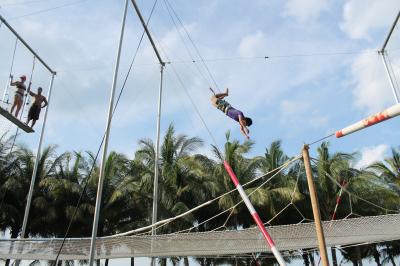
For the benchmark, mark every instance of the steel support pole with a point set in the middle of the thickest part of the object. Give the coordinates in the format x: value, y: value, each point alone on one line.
x: 106, y: 139
x: 390, y: 32
x: 157, y: 159
x: 35, y: 167
x: 384, y: 60
x: 147, y: 32
x: 315, y: 208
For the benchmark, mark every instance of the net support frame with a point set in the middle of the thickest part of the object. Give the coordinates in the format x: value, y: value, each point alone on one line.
x: 392, y: 86
x: 315, y: 207
x: 383, y: 53
x: 255, y: 215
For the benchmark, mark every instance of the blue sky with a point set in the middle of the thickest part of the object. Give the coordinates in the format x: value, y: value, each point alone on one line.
x: 293, y: 98
x: 323, y: 71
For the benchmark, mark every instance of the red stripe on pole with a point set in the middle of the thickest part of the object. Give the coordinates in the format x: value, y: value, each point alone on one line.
x: 370, y: 121
x: 256, y: 217
x: 376, y: 119
x: 339, y: 134
x: 263, y: 230
x: 231, y: 173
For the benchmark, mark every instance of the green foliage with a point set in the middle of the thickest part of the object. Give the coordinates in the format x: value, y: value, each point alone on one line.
x: 186, y: 180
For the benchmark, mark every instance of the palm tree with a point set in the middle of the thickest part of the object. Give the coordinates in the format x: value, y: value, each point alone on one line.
x: 389, y: 169
x: 282, y: 191
x: 179, y: 186
x: 17, y: 181
x: 389, y: 251
x: 283, y: 188
x: 60, y: 195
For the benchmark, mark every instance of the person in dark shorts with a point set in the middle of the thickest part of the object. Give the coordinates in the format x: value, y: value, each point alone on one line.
x: 218, y: 101
x: 37, y: 105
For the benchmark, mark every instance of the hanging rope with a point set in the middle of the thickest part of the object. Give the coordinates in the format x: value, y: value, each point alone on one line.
x: 193, y: 44
x: 392, y: 70
x: 169, y: 220
x: 26, y: 100
x: 6, y: 94
x: 186, y: 47
x: 321, y: 139
x: 48, y: 10
x: 344, y: 188
x: 102, y: 141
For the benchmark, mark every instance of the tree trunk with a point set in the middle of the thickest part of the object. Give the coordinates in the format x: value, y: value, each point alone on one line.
x: 186, y: 261
x: 14, y: 234
x: 334, y: 258
x: 132, y: 261
x: 306, y: 259
x: 392, y: 260
x: 312, y: 261
x: 248, y: 262
x: 359, y: 256
x: 376, y: 257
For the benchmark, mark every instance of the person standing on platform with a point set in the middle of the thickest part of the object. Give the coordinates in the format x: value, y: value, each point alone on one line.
x: 37, y: 105
x: 19, y: 94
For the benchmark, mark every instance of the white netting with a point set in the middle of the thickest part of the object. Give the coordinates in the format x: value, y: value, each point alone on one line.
x: 288, y: 238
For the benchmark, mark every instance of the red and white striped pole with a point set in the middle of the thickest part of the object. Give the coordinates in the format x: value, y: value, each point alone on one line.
x: 372, y: 120
x: 255, y: 215
x: 344, y: 184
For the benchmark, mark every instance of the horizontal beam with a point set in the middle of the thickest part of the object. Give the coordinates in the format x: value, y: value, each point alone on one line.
x: 390, y: 33
x: 147, y: 32
x: 27, y: 45
x: 370, y: 121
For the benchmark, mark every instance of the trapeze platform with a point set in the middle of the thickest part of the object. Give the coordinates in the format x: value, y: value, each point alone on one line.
x: 16, y: 121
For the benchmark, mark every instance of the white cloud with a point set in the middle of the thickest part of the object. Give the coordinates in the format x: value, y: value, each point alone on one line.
x: 372, y: 90
x: 371, y: 155
x: 305, y: 10
x: 361, y: 17
x: 252, y: 45
x: 299, y: 111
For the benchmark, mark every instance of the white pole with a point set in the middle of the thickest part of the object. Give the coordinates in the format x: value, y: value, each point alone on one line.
x: 157, y: 156
x: 35, y: 168
x: 396, y: 97
x: 104, y: 154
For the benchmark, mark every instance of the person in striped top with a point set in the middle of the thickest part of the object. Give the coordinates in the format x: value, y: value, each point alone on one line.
x: 218, y: 101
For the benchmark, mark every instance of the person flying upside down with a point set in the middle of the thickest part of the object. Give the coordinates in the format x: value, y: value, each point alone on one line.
x: 218, y: 101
